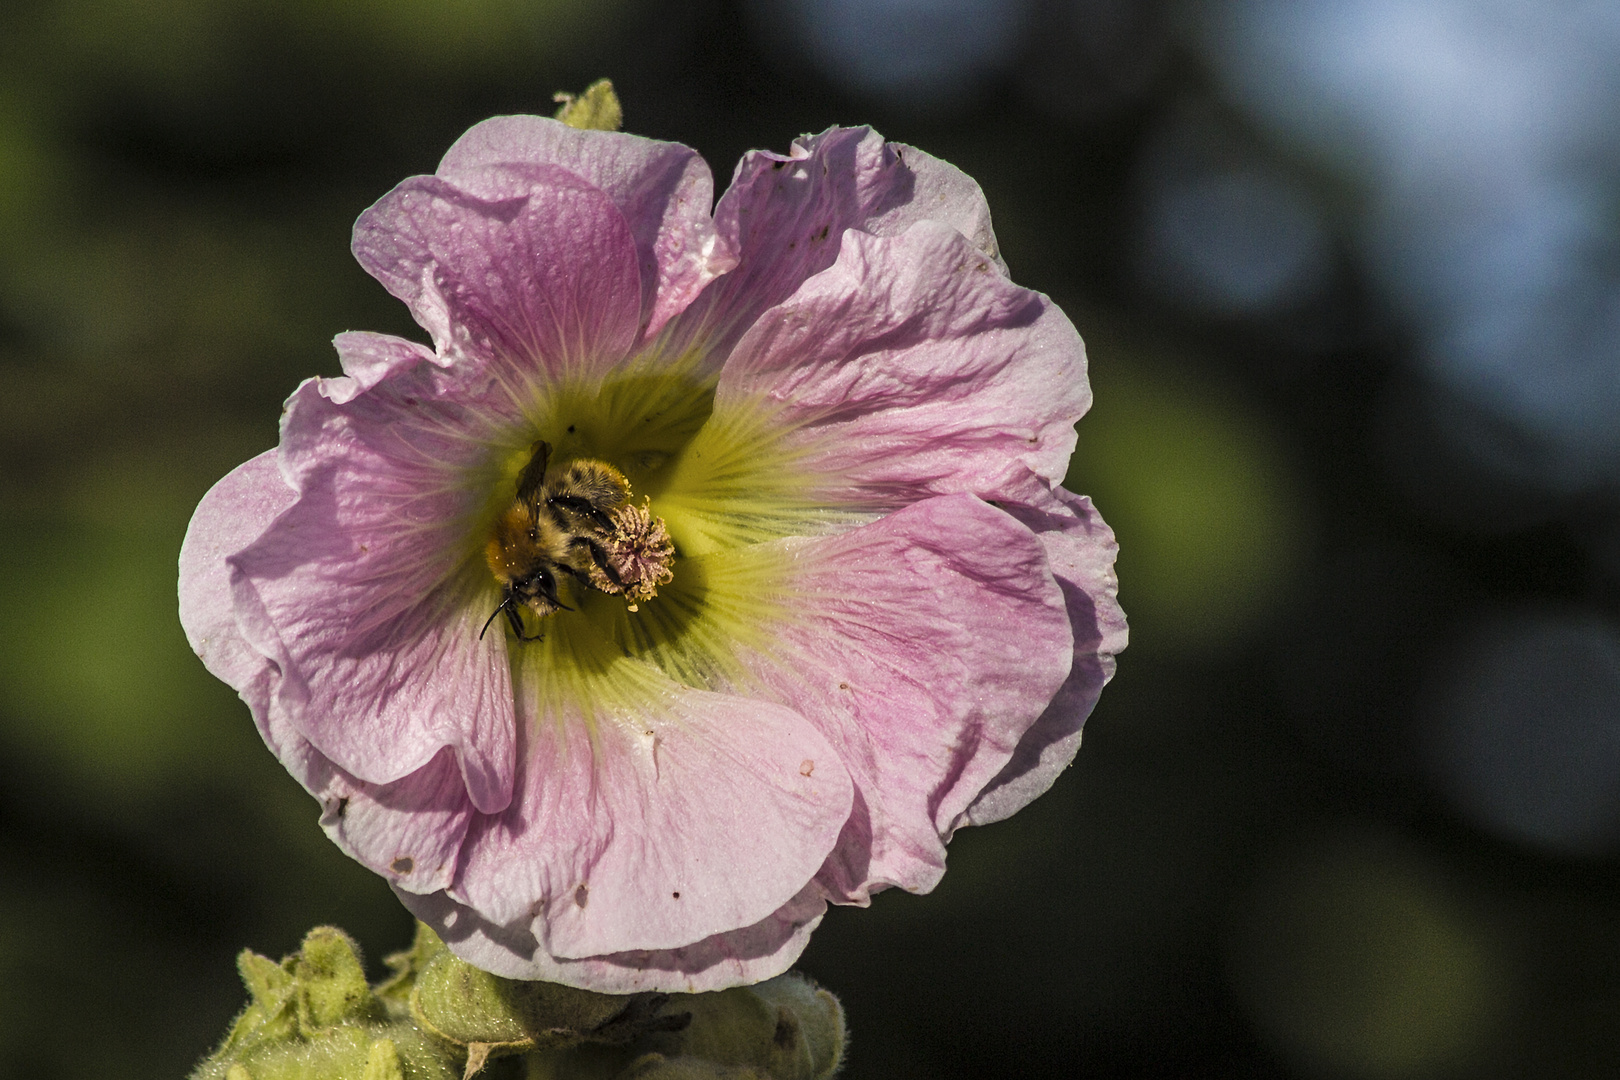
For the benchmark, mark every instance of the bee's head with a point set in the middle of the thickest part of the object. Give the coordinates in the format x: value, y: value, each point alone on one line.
x: 537, y: 590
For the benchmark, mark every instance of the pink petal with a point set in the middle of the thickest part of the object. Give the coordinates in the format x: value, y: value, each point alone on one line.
x: 663, y: 189
x: 924, y: 646
x: 537, y: 276
x: 785, y: 217
x: 234, y: 513
x: 1080, y: 548
x: 409, y: 831
x: 656, y: 826
x: 911, y: 368
x: 748, y: 955
x: 368, y: 359
x: 425, y: 815
x: 939, y: 192
x: 365, y: 593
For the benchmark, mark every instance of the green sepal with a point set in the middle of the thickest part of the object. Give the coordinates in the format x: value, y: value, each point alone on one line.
x: 406, y: 965
x: 493, y: 1017
x: 266, y: 980
x: 383, y: 1062
x: 270, y: 1015
x: 597, y: 109
x: 331, y: 982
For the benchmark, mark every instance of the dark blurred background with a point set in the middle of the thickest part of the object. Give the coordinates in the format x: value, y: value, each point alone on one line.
x: 1349, y: 274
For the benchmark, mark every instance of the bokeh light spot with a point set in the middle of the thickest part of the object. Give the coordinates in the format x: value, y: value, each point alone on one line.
x: 1525, y: 730
x: 1355, y: 959
x: 921, y: 53
x: 1210, y: 523
x: 1225, y: 230
x: 1240, y: 242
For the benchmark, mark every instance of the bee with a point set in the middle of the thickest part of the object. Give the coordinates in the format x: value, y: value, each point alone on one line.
x: 556, y: 527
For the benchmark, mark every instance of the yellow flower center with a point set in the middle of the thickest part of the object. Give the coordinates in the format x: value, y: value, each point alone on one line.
x: 705, y: 490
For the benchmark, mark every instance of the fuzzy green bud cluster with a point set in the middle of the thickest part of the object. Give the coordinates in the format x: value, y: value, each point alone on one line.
x: 313, y: 1016
x: 597, y: 109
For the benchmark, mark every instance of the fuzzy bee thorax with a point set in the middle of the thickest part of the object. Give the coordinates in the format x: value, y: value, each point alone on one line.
x: 575, y: 523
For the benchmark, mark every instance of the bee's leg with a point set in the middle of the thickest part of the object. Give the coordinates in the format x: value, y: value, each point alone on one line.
x: 600, y: 558
x: 515, y: 617
x: 584, y: 508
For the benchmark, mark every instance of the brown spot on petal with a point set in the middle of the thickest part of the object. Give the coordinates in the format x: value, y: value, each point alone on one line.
x: 582, y: 895
x: 806, y: 767
x: 402, y: 865
x: 843, y: 686
x: 676, y: 895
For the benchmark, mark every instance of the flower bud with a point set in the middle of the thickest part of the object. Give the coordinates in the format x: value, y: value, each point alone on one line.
x: 786, y: 1028
x: 659, y: 1067
x: 312, y: 1017
x: 596, y: 109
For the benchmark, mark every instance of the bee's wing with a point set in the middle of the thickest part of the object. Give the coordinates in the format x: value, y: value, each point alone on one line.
x: 533, y: 476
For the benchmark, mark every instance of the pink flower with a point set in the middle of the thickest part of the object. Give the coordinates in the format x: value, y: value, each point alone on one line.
x: 884, y: 618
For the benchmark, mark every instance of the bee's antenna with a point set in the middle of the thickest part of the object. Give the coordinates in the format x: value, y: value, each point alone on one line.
x: 505, y: 603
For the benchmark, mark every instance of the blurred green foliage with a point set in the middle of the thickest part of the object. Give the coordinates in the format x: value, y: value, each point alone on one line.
x: 102, y: 692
